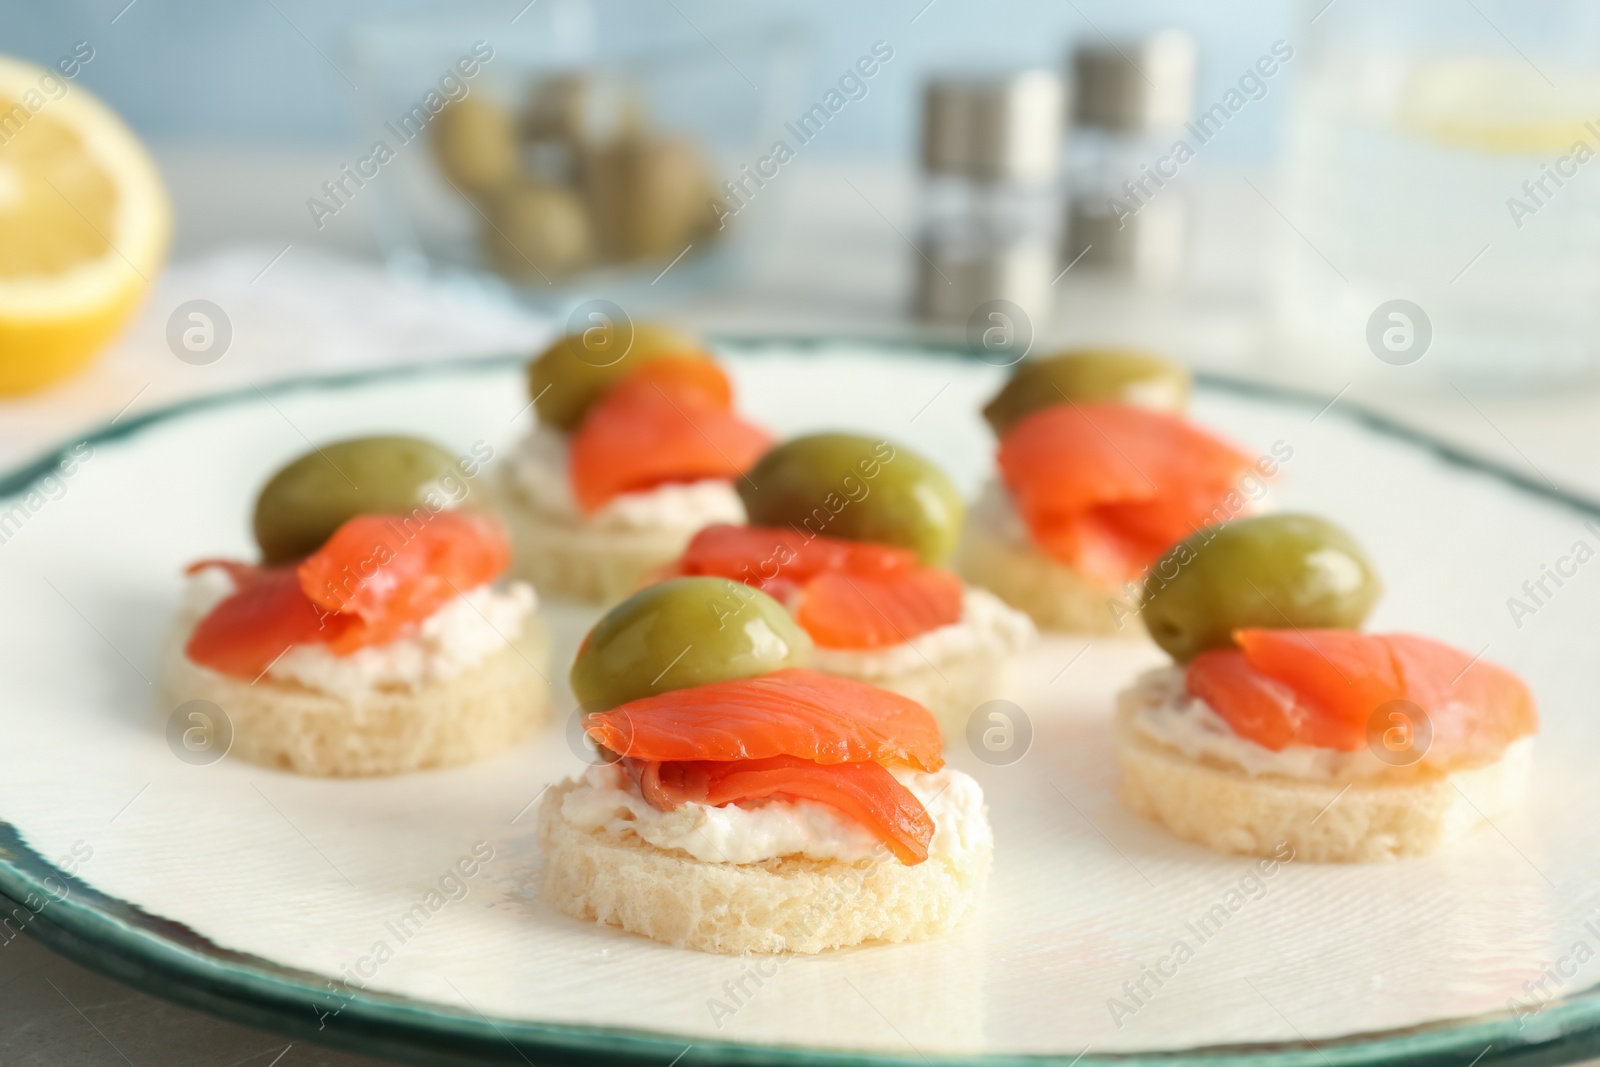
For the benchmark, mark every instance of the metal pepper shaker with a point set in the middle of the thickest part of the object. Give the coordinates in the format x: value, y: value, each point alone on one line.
x: 991, y: 162
x: 1126, y: 210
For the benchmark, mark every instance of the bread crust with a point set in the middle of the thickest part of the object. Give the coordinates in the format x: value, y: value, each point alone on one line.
x: 1229, y: 810
x: 445, y: 723
x: 791, y: 904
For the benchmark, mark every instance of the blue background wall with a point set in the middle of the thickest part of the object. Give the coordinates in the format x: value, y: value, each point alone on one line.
x: 249, y: 72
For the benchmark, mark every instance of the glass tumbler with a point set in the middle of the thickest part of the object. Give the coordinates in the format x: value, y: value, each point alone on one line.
x: 1442, y: 191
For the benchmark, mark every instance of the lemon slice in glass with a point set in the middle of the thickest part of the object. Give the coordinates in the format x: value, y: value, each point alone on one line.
x: 1500, y: 107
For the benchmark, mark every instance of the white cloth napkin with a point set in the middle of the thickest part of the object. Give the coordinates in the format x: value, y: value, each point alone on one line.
x: 292, y: 311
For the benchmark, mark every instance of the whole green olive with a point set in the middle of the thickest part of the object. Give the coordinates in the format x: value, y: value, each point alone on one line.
x: 861, y: 488
x: 1089, y: 376
x: 306, y: 501
x: 681, y: 633
x: 1272, y: 571
x: 566, y: 379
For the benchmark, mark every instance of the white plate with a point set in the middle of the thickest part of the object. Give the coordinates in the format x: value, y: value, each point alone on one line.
x: 279, y: 883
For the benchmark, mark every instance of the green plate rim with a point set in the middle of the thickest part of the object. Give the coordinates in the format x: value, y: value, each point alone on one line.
x: 163, y: 957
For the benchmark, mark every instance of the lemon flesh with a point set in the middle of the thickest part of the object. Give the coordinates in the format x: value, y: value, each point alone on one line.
x: 85, y: 221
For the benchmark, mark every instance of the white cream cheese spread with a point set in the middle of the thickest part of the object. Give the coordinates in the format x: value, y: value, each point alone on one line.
x: 1166, y: 714
x: 460, y: 635
x: 607, y: 799
x: 538, y: 467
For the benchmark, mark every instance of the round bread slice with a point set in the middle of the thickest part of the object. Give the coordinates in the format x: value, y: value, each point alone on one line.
x: 951, y: 688
x: 479, y: 712
x: 949, y: 678
x: 566, y: 559
x: 1358, y: 821
x: 791, y: 904
x: 1053, y: 594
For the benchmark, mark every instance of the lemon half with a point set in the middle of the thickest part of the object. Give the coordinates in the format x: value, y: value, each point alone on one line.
x: 84, y: 225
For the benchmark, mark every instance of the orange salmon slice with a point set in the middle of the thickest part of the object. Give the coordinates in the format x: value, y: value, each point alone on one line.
x: 839, y: 610
x: 1108, y: 488
x: 792, y: 712
x: 1324, y: 688
x: 671, y: 420
x: 866, y: 793
x: 851, y: 594
x: 377, y: 577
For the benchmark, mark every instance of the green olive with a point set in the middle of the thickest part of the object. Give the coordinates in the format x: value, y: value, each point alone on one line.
x: 1273, y: 571
x: 861, y: 488
x: 566, y: 379
x: 305, y: 502
x: 684, y: 632
x: 1089, y: 376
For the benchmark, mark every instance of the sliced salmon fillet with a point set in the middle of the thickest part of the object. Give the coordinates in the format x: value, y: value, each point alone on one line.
x: 374, y: 580
x: 864, y: 792
x: 670, y: 420
x: 1108, y: 488
x: 1343, y: 674
x: 792, y: 712
x: 778, y: 561
x: 392, y: 572
x: 841, y: 610
x: 1438, y: 678
x: 267, y: 614
x: 1322, y: 688
x: 687, y: 374
x: 1262, y: 709
x: 851, y: 594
